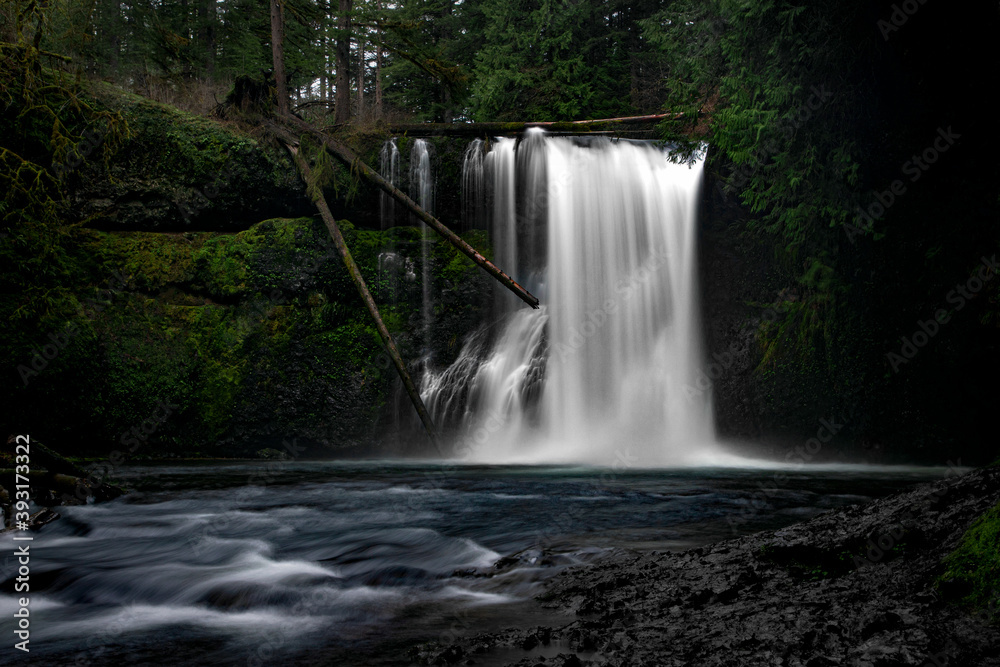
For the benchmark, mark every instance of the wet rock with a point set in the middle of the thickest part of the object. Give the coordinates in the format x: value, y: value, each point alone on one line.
x: 804, y: 596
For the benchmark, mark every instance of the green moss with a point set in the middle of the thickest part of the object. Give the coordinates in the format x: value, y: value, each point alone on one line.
x: 192, y: 147
x: 455, y: 266
x: 223, y: 264
x: 214, y: 340
x: 152, y: 261
x: 975, y: 565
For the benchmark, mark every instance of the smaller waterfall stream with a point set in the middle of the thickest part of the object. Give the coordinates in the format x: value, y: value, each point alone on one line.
x: 422, y: 192
x: 475, y: 192
x: 389, y: 170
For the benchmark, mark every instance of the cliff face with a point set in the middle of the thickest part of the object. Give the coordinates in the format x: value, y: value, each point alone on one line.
x: 771, y: 403
x: 182, y: 318
x: 927, y: 407
x: 229, y: 342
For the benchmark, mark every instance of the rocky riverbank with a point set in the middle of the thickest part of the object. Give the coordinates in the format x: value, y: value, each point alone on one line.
x: 869, y: 586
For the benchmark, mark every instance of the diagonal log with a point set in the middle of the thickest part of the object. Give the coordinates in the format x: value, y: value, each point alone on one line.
x: 359, y: 281
x: 353, y: 162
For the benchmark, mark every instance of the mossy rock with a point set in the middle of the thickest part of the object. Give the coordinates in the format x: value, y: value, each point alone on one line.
x: 178, y: 171
x: 972, y: 571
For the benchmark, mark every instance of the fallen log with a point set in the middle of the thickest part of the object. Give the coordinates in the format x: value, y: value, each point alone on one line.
x: 353, y: 162
x: 359, y: 282
x: 54, y: 462
x: 65, y: 489
x: 34, y: 521
x: 64, y: 476
x: 603, y: 125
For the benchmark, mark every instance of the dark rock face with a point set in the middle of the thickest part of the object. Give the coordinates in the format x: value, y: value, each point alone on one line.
x: 850, y: 587
x: 732, y: 272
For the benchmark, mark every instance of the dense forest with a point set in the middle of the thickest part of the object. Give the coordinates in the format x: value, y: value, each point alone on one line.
x: 851, y: 214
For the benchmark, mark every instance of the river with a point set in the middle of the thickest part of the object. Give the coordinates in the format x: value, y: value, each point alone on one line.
x: 350, y: 563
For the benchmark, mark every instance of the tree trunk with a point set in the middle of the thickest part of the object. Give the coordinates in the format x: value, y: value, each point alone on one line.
x: 447, y: 115
x: 359, y: 282
x: 64, y: 475
x: 361, y: 76
x: 278, y: 54
x: 185, y: 30
x: 322, y: 50
x: 343, y: 101
x: 110, y: 22
x: 355, y: 164
x: 378, y: 68
x: 207, y: 33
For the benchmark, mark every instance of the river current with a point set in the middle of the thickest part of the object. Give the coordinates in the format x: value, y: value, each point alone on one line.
x: 351, y: 563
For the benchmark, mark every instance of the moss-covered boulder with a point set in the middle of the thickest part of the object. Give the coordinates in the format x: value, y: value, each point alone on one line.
x: 177, y: 171
x: 972, y: 571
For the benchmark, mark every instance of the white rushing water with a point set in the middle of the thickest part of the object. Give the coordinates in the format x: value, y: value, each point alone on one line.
x: 389, y: 170
x: 422, y: 192
x: 606, y: 372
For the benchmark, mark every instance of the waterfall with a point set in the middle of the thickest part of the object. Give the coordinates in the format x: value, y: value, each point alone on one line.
x: 422, y: 192
x: 502, y: 224
x: 391, y: 264
x: 389, y: 170
x: 474, y: 191
x: 606, y: 372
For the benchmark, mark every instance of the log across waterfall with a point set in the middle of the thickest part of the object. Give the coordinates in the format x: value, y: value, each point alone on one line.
x: 608, y: 370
